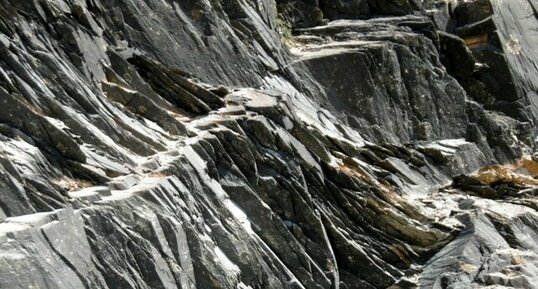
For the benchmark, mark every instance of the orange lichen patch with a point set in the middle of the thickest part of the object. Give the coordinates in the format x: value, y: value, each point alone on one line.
x: 466, y: 267
x: 401, y: 253
x: 353, y: 169
x: 72, y: 185
x: 520, y: 173
x: 158, y: 174
x: 528, y: 166
x: 476, y: 40
x: 518, y: 260
x: 397, y: 224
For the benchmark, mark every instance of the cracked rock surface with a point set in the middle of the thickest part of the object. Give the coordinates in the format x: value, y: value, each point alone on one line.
x: 199, y: 144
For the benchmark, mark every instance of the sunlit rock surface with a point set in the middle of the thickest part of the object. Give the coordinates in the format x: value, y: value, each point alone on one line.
x: 182, y: 144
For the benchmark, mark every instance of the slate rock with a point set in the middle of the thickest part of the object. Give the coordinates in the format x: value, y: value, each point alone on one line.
x: 182, y: 144
x: 458, y: 59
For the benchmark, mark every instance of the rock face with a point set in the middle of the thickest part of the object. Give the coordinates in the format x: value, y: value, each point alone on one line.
x: 181, y: 144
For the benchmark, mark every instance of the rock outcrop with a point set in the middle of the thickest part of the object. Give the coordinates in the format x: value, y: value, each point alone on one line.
x: 268, y: 144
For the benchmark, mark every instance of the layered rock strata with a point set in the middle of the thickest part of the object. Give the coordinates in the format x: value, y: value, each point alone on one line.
x: 181, y: 144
